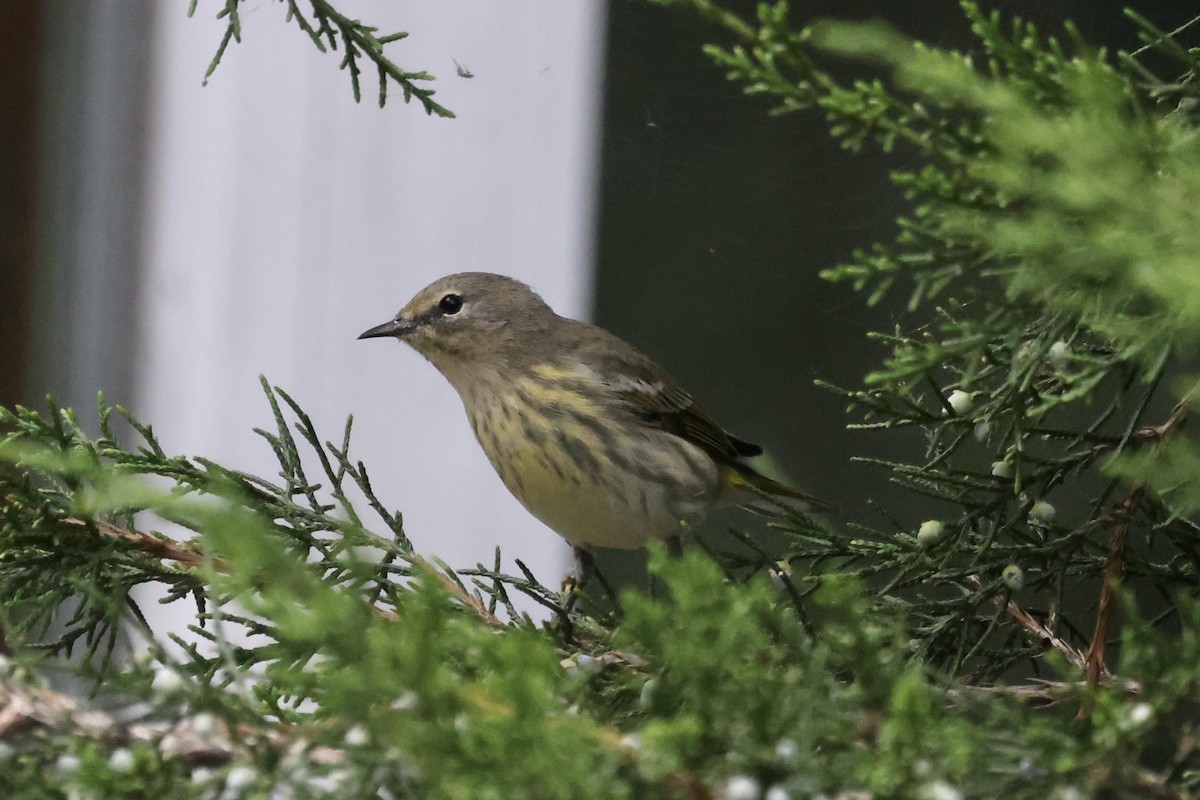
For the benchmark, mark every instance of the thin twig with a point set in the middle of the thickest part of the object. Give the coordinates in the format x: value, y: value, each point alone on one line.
x: 186, y: 554
x: 191, y: 556
x: 1048, y: 692
x: 458, y: 590
x: 1044, y: 635
x: 1074, y: 656
x: 1113, y: 567
x: 1114, y: 563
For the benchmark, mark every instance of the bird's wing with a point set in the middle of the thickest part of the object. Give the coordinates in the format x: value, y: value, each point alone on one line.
x: 666, y: 406
x: 652, y: 395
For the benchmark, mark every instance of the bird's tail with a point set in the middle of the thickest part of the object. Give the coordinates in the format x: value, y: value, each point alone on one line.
x: 746, y: 488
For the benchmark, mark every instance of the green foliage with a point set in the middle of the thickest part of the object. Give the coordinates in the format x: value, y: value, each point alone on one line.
x: 329, y: 29
x: 332, y: 680
x: 1053, y: 316
x: 1047, y: 356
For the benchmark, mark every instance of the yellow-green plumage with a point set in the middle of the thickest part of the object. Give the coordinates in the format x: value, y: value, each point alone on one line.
x: 588, y: 433
x: 579, y: 467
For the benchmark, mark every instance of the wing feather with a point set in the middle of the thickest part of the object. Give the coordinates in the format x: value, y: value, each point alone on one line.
x: 651, y: 394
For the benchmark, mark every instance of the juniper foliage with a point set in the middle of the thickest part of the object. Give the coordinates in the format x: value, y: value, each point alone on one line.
x: 1035, y: 636
x: 331, y: 30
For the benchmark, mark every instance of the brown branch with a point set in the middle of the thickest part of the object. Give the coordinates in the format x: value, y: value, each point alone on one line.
x: 1178, y: 419
x: 455, y: 588
x: 1047, y: 692
x: 1034, y: 626
x: 1114, y: 562
x: 1074, y: 656
x: 189, y: 555
x: 1114, y: 566
x: 683, y: 784
x: 1046, y: 636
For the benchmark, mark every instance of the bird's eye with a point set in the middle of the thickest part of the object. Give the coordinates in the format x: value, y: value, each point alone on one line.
x: 450, y: 304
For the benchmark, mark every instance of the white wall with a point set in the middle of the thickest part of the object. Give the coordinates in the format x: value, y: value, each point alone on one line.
x: 282, y: 220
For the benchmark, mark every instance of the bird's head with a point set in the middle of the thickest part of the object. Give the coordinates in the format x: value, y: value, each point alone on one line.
x: 470, y: 322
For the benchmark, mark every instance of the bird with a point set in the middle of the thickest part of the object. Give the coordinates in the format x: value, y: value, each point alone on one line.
x: 591, y: 436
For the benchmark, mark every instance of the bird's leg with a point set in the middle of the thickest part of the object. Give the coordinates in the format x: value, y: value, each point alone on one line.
x: 585, y: 570
x: 675, y: 546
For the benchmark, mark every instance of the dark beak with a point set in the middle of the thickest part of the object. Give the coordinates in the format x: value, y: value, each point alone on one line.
x: 395, y: 327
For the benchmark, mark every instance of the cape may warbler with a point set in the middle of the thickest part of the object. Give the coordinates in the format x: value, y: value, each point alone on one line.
x: 592, y: 436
